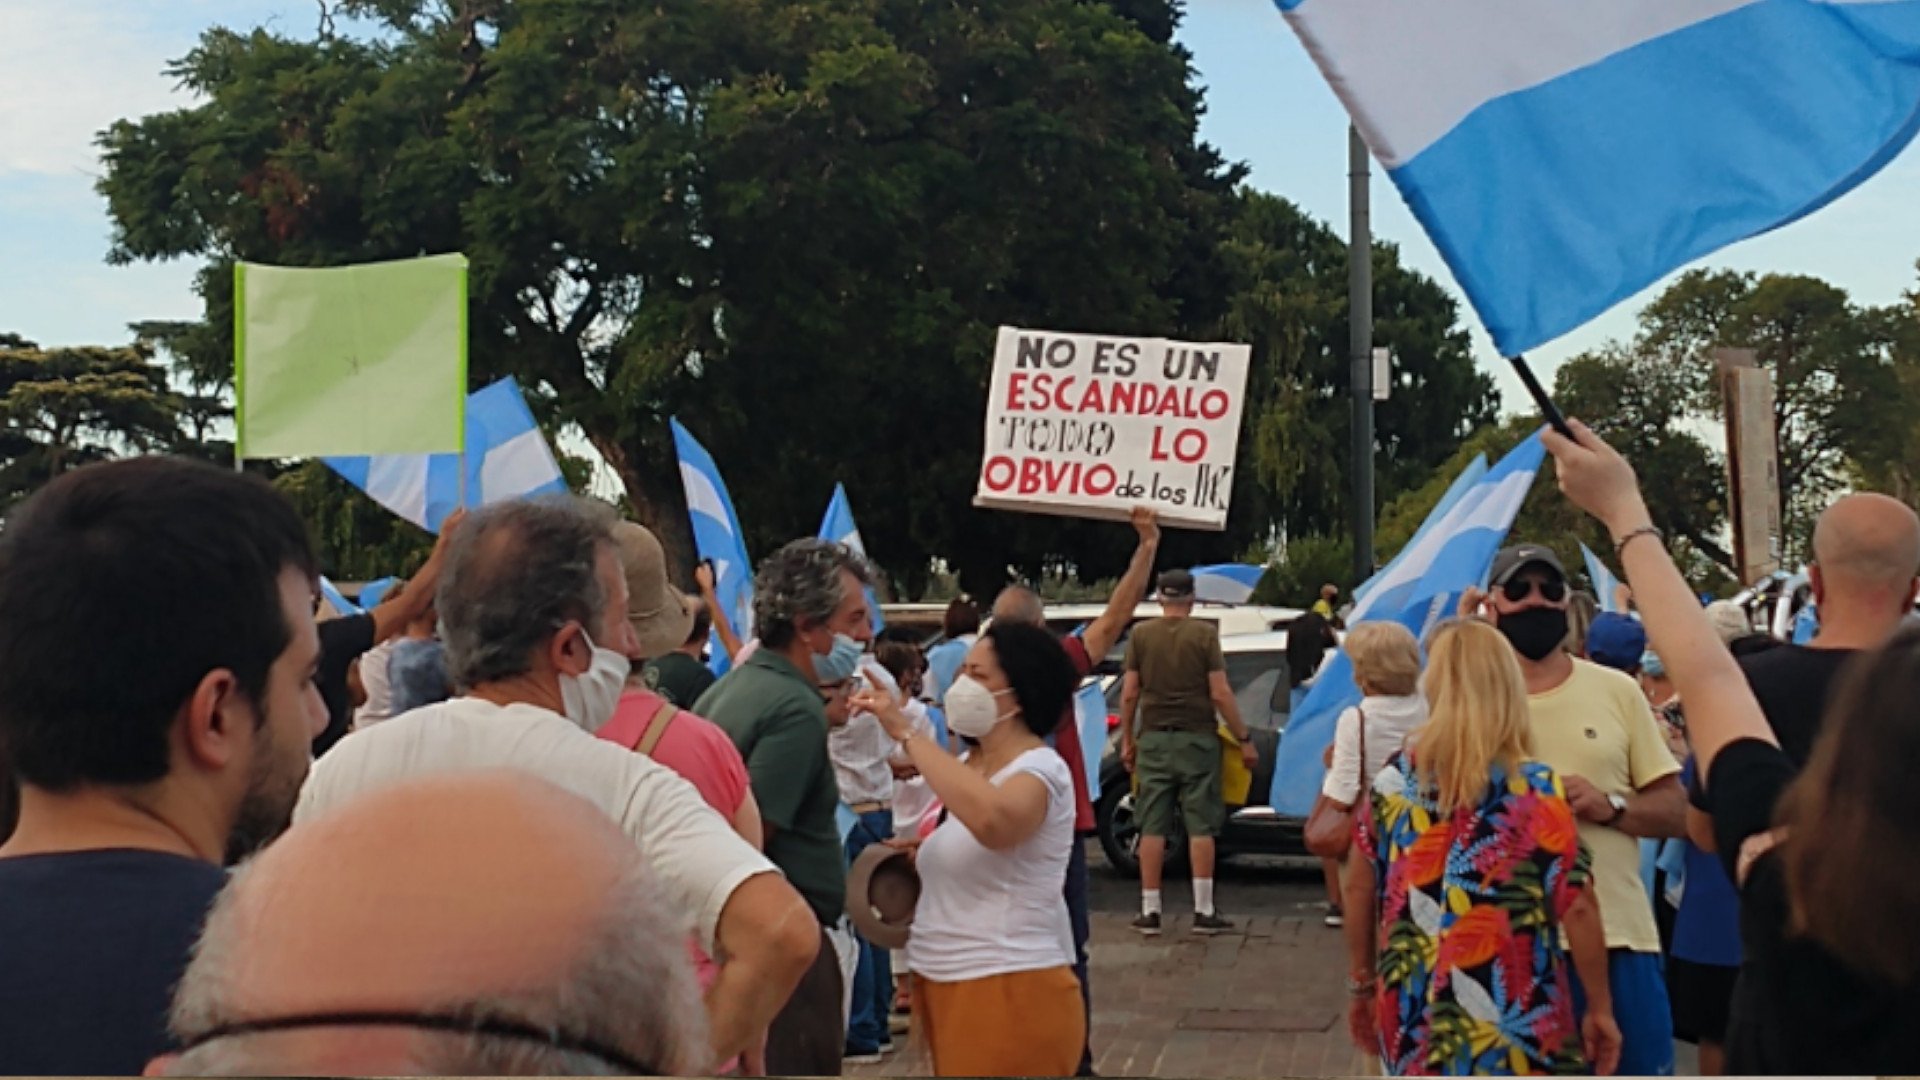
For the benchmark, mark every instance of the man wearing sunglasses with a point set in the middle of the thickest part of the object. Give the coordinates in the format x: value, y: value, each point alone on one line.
x: 1594, y: 727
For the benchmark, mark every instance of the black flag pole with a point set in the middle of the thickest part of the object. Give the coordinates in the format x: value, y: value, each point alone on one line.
x: 1547, y: 408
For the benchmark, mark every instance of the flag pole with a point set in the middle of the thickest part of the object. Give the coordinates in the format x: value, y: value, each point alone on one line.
x: 1539, y: 394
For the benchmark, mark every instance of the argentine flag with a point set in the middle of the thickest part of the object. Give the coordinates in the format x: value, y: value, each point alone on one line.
x: 1227, y: 583
x: 1418, y: 589
x: 838, y: 527
x: 1462, y: 484
x: 507, y: 458
x: 716, y: 536
x: 1563, y: 156
x: 1604, y: 583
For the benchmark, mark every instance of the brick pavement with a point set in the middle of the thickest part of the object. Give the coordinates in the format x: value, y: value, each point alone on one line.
x: 1267, y: 1001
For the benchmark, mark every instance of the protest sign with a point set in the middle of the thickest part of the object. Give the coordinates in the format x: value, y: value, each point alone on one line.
x: 1093, y: 425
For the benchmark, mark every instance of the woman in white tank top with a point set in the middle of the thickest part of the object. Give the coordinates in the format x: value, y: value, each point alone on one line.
x: 991, y: 948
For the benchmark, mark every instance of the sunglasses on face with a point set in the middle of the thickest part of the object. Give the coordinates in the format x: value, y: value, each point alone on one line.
x: 1519, y: 589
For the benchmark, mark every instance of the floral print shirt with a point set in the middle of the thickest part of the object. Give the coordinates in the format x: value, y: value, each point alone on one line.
x: 1472, y: 977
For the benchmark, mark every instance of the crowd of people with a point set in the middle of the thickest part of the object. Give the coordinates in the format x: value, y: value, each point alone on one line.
x: 508, y: 821
x: 1515, y: 844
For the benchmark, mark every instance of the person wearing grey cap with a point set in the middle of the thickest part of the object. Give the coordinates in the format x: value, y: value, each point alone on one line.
x: 1593, y: 726
x: 1176, y: 679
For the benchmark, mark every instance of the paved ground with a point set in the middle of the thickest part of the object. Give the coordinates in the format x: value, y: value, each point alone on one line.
x: 1266, y: 1001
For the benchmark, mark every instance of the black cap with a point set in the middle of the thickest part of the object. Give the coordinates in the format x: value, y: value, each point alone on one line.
x: 1510, y: 561
x: 1176, y: 585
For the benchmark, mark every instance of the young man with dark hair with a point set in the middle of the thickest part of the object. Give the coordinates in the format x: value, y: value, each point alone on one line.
x: 156, y: 706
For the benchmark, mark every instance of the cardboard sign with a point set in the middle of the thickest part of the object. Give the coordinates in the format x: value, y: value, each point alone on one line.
x: 1088, y: 425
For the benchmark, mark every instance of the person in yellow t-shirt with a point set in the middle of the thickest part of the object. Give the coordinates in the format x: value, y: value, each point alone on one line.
x: 1594, y: 728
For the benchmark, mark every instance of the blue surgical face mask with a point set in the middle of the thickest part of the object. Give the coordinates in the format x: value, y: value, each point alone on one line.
x: 839, y: 663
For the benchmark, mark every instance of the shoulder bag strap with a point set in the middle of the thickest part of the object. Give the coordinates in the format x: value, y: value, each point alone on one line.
x: 657, y: 730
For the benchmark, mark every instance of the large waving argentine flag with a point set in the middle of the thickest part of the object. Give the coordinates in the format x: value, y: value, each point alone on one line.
x: 1419, y: 588
x: 838, y: 526
x: 1565, y: 155
x: 507, y: 458
x: 716, y: 536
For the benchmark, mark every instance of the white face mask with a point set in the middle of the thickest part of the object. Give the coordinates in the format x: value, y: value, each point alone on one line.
x: 591, y: 698
x: 972, y: 710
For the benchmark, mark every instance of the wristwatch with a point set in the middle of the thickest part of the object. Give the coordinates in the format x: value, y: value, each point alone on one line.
x: 1619, y: 804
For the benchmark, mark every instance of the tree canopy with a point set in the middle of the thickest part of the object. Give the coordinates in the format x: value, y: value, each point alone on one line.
x: 794, y: 224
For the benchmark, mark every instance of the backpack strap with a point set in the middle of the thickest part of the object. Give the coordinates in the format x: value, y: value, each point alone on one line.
x: 658, y: 729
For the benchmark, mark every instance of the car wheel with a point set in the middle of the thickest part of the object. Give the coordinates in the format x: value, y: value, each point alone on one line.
x: 1120, y: 834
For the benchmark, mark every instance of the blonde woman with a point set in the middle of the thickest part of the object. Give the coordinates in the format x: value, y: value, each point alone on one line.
x: 1468, y: 871
x: 1386, y: 667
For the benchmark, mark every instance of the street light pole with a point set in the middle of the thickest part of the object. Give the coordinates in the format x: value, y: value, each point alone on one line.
x: 1360, y: 349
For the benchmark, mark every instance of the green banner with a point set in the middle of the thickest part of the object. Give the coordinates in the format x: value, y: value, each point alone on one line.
x: 368, y: 359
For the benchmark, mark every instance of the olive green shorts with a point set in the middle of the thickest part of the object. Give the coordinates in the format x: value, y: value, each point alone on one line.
x: 1179, y: 769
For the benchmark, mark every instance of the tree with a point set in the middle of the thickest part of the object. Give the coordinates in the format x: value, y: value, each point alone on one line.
x: 1290, y: 302
x: 793, y: 223
x: 66, y: 407
x: 1831, y: 364
x: 1638, y: 403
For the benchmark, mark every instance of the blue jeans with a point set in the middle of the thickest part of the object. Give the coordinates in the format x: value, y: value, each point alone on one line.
x: 1638, y: 984
x: 1077, y: 886
x: 873, y: 976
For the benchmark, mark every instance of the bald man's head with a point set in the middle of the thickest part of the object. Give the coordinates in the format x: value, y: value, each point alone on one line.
x: 1866, y: 551
x: 1019, y: 604
x: 493, y: 900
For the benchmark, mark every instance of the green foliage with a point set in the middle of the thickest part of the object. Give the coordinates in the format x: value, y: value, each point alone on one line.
x: 1304, y: 565
x: 1835, y: 384
x: 358, y: 539
x: 1290, y: 303
x: 794, y: 224
x: 67, y: 407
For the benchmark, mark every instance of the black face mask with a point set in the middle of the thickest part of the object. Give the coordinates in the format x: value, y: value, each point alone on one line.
x: 1535, y: 632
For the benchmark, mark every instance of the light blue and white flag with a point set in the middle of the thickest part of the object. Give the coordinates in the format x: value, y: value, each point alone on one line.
x: 1227, y: 583
x: 336, y: 599
x: 1604, y: 583
x: 507, y: 458
x: 838, y: 527
x: 375, y: 591
x: 1565, y: 156
x: 1419, y: 589
x: 1462, y: 484
x: 716, y: 536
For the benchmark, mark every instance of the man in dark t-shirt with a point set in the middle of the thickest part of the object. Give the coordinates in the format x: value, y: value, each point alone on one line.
x: 681, y: 676
x: 136, y: 790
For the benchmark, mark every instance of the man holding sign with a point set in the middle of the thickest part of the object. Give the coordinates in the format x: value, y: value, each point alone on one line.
x: 1089, y: 425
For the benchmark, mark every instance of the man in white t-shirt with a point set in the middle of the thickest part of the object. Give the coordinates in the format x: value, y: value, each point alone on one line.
x: 533, y: 604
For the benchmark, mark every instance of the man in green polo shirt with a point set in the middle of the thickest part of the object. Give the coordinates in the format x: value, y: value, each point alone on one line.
x: 810, y: 596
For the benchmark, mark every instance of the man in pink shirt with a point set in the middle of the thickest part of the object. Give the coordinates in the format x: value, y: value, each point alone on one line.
x: 1019, y: 604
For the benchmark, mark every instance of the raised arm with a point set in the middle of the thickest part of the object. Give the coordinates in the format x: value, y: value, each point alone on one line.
x: 722, y: 626
x: 1000, y: 816
x: 1102, y: 632
x: 1720, y: 705
x: 411, y: 600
